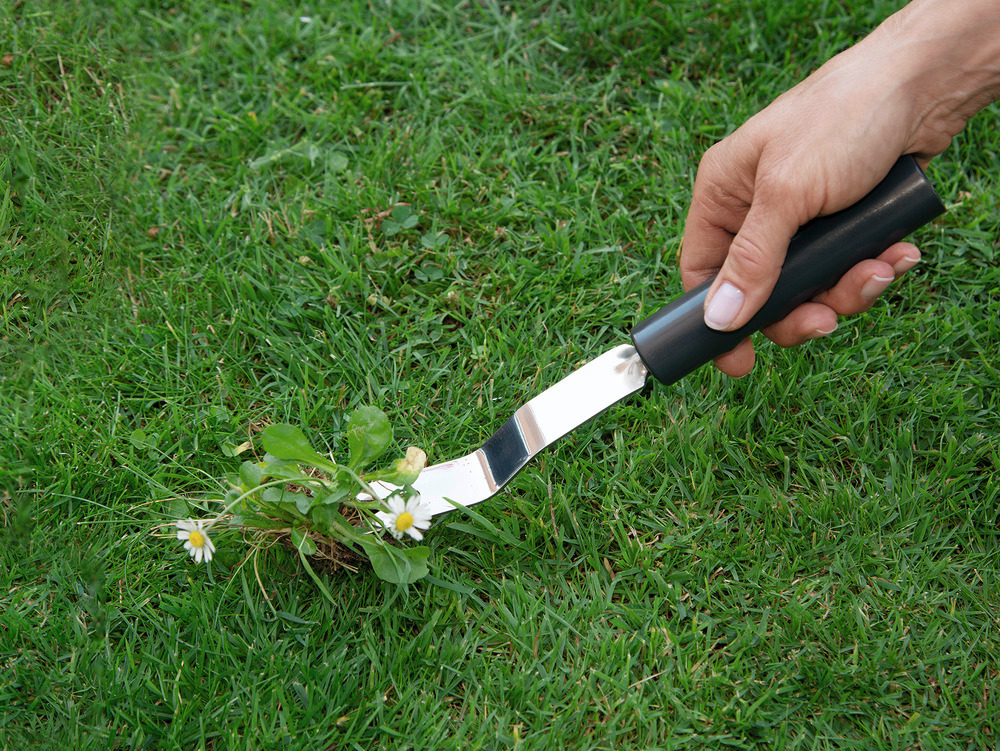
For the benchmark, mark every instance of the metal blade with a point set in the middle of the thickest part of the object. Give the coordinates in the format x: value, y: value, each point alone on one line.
x: 549, y: 416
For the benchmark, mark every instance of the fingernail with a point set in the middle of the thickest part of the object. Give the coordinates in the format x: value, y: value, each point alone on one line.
x: 723, y: 308
x: 904, y: 264
x: 826, y: 332
x: 875, y: 286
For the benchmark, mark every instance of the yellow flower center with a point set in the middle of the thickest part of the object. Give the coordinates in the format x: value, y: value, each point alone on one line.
x: 196, y: 538
x: 404, y: 521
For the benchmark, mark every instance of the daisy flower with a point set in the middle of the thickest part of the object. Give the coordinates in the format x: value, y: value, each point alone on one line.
x: 196, y: 541
x: 406, y: 516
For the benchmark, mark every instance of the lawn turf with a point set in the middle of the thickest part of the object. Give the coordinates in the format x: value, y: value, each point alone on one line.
x: 215, y: 215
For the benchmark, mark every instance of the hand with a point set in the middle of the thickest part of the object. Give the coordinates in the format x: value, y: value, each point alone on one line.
x: 819, y: 148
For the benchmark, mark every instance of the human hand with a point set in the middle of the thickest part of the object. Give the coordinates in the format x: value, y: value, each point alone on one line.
x: 819, y: 148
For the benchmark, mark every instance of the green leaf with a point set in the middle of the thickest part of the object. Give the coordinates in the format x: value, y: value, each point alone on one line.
x: 177, y: 508
x: 289, y: 510
x: 418, y: 557
x: 249, y: 475
x: 140, y: 440
x: 289, y: 443
x: 368, y: 436
x: 229, y: 448
x: 302, y: 502
x: 336, y: 161
x: 434, y: 240
x: 335, y: 496
x: 398, y: 566
x: 302, y: 542
x: 405, y: 217
x: 279, y: 469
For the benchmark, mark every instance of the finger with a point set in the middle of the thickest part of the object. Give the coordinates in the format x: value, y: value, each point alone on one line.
x: 704, y: 245
x: 723, y: 188
x: 810, y: 320
x: 737, y: 362
x: 862, y: 285
x: 854, y: 293
x: 754, y: 261
x: 902, y: 257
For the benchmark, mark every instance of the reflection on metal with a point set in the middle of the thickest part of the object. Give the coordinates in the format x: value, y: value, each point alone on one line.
x: 538, y: 424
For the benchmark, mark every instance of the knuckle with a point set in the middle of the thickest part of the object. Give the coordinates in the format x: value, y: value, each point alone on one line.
x: 751, y: 260
x: 712, y: 156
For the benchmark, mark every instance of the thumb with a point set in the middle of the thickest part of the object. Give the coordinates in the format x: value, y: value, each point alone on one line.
x: 752, y: 265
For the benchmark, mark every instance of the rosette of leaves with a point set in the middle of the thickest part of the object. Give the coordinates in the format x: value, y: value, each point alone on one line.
x: 320, y: 503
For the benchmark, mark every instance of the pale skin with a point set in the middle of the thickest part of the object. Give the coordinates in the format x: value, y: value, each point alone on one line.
x: 907, y: 88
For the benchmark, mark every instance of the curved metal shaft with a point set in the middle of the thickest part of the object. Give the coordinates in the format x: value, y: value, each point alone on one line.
x: 549, y: 416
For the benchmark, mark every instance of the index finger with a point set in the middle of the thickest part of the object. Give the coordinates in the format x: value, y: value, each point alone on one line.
x: 719, y: 204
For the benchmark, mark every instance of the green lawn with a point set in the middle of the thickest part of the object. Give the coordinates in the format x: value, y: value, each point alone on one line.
x: 195, y: 243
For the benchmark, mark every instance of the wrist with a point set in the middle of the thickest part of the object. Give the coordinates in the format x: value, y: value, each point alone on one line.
x: 947, y: 53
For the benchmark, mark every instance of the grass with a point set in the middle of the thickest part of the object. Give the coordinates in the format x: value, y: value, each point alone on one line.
x: 193, y: 204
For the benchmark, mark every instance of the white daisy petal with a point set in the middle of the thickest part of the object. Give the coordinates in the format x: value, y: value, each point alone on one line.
x: 406, y: 516
x: 418, y: 506
x: 194, y: 535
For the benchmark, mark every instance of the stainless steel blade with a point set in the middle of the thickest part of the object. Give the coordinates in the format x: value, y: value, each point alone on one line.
x: 581, y: 395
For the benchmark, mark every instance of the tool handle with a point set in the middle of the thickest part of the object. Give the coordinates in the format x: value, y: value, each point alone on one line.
x: 675, y: 340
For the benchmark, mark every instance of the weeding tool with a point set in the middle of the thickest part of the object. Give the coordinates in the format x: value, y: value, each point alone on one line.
x: 675, y: 340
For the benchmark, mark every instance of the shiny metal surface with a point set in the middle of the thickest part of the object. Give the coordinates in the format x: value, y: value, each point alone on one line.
x: 559, y: 409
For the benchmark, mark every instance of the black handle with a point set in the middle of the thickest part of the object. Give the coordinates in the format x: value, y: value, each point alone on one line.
x: 675, y: 340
